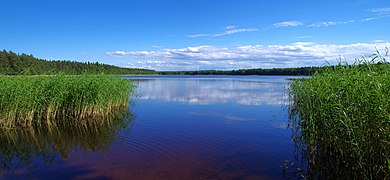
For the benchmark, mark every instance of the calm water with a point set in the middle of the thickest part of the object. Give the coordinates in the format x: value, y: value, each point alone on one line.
x: 192, y: 127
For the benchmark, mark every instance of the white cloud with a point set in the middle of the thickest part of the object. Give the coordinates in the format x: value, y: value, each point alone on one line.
x: 230, y: 27
x: 320, y: 24
x: 381, y: 11
x: 303, y: 37
x: 379, y: 41
x: 374, y: 18
x: 368, y: 19
x: 198, y: 35
x: 298, y: 54
x: 227, y: 31
x: 288, y: 23
x: 234, y: 31
x: 157, y: 46
x: 330, y: 23
x: 378, y: 13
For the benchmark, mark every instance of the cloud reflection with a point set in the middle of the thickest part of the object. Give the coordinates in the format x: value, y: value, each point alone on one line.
x: 207, y: 91
x: 226, y: 117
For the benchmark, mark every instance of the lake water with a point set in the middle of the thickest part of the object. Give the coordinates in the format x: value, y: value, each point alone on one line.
x: 184, y: 127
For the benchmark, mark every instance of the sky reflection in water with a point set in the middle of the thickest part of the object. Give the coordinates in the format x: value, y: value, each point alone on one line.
x: 189, y: 128
x: 216, y: 90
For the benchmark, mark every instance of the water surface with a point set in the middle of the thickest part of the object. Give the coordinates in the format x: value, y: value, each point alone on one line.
x: 184, y: 127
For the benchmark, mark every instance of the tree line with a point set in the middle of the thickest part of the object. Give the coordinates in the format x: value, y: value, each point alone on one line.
x: 302, y: 71
x: 23, y: 64
x: 299, y: 71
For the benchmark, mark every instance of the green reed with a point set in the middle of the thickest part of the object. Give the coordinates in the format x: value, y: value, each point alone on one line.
x: 44, y: 100
x: 24, y: 148
x: 341, y: 120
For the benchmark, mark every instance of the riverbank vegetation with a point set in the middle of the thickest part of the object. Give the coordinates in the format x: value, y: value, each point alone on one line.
x: 48, y: 100
x: 341, y: 120
x: 29, y: 147
x: 23, y: 64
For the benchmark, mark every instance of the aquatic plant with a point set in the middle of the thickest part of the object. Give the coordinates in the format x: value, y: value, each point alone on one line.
x: 44, y: 100
x: 25, y: 148
x: 341, y: 120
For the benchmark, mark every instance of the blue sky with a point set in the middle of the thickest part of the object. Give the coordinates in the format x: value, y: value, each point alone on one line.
x: 197, y: 34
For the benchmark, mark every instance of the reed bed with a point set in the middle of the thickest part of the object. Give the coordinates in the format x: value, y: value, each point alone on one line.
x: 341, y: 121
x: 44, y: 100
x: 26, y: 148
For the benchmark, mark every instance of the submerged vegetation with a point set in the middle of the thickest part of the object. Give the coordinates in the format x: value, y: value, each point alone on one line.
x: 28, y: 147
x: 48, y: 100
x: 341, y: 121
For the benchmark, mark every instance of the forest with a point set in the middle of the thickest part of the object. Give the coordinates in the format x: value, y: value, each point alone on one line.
x: 302, y: 71
x: 23, y: 64
x: 299, y: 71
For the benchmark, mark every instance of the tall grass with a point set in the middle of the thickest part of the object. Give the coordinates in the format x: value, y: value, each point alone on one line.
x: 341, y: 120
x: 44, y: 100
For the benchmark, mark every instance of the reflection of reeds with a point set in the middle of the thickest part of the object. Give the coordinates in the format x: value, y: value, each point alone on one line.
x: 43, y: 100
x: 21, y: 147
x: 341, y: 120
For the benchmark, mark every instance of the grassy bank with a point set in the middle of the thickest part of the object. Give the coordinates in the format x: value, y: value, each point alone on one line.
x: 44, y: 100
x: 341, y: 120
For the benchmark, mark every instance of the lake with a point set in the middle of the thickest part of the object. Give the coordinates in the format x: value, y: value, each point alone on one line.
x: 179, y: 127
